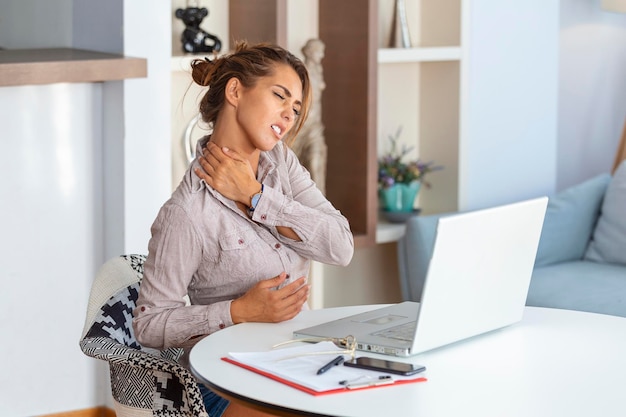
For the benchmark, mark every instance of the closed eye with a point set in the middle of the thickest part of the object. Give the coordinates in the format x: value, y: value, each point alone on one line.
x: 280, y: 96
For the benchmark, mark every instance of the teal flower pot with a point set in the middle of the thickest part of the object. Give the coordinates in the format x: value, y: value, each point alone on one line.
x: 399, y: 197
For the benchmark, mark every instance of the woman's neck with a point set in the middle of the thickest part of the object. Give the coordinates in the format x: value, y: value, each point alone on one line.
x: 235, y: 141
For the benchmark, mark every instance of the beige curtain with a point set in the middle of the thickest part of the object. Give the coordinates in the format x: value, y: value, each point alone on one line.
x: 621, y: 150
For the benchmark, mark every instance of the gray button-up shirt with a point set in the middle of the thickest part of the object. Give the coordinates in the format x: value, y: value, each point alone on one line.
x: 205, y: 247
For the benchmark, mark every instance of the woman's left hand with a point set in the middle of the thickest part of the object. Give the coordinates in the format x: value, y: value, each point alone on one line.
x: 228, y: 173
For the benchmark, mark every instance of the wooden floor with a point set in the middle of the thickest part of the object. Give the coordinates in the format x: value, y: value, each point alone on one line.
x: 90, y: 412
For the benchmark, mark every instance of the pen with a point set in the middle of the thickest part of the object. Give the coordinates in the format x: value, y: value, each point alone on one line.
x: 337, y: 361
x: 382, y: 381
x: 352, y: 381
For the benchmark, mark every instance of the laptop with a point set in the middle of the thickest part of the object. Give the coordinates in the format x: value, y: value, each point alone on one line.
x: 477, y: 281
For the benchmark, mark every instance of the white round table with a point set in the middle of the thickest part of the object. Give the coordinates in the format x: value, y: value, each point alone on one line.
x: 553, y: 363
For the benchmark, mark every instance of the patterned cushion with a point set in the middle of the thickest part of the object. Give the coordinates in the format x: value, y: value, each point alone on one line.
x: 116, y: 316
x: 140, y: 378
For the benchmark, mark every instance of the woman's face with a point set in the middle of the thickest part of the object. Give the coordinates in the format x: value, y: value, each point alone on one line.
x: 268, y: 110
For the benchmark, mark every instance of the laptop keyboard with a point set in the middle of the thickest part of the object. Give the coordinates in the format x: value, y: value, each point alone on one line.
x: 402, y: 332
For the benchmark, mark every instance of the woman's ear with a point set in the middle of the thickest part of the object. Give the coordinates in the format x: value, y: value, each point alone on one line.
x: 233, y: 91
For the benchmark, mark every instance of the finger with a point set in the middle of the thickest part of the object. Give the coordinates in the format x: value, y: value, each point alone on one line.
x: 212, y: 165
x: 212, y: 150
x: 205, y: 164
x: 296, y: 301
x: 273, y: 282
x: 202, y: 175
x: 294, y: 286
x: 232, y: 154
x: 289, y: 307
x: 302, y: 294
x: 212, y: 153
x: 205, y: 171
x: 292, y: 303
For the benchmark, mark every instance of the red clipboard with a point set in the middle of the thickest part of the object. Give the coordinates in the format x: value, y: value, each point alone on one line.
x: 319, y: 393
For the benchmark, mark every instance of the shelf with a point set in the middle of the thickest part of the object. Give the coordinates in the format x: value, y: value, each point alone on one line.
x: 66, y: 65
x: 389, y: 232
x: 427, y: 54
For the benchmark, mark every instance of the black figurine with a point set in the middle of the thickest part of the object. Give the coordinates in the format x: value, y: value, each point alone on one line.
x: 194, y: 38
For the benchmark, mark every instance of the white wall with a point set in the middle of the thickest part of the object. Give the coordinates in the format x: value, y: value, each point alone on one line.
x: 509, y: 102
x: 592, y: 89
x: 85, y: 168
x: 147, y: 152
x: 46, y: 24
x: 51, y: 222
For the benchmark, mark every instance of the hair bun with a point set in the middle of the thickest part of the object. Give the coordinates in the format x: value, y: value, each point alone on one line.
x: 202, y: 70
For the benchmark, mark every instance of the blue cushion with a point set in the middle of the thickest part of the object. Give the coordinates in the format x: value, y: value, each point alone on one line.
x: 580, y: 285
x: 570, y: 219
x: 609, y: 237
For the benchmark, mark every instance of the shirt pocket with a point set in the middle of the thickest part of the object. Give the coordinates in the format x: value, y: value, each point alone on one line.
x: 242, y: 255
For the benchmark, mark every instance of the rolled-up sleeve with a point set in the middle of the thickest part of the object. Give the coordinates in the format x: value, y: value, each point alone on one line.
x: 324, y: 231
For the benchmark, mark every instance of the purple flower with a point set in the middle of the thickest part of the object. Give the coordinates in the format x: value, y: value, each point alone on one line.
x: 392, y: 170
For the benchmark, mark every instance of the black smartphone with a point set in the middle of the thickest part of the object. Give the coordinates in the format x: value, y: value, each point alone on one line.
x: 383, y: 365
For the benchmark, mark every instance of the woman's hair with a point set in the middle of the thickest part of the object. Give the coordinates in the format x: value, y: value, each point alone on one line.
x: 248, y: 63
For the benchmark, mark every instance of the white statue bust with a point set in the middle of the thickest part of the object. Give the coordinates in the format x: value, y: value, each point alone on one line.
x: 310, y: 145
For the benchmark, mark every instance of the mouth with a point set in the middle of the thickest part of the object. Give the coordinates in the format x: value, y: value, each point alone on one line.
x: 277, y: 129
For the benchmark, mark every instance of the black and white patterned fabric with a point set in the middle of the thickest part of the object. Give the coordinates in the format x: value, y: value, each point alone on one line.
x: 140, y: 378
x: 115, y: 318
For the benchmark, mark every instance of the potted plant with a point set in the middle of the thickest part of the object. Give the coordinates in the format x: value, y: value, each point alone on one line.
x: 399, y: 181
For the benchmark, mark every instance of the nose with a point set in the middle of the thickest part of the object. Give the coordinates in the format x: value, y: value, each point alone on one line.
x: 287, y: 114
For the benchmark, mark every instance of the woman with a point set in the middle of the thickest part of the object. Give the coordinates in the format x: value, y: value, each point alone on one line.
x: 238, y: 233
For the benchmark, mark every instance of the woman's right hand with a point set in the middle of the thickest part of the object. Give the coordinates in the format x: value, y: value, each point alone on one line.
x: 228, y: 172
x: 264, y: 303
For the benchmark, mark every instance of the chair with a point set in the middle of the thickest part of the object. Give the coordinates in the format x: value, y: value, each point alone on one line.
x: 144, y: 382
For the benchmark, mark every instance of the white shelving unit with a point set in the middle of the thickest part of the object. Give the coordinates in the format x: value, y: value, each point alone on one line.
x: 418, y: 89
x: 389, y: 232
x: 429, y: 114
x: 416, y: 55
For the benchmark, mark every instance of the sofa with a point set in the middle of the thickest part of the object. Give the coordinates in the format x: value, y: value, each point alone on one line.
x: 581, y: 257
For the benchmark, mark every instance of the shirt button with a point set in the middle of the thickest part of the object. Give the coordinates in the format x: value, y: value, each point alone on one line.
x: 263, y: 217
x: 222, y: 326
x: 277, y: 246
x: 240, y: 241
x: 143, y: 308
